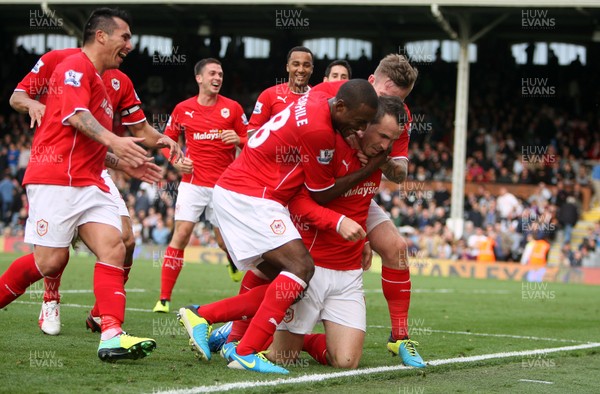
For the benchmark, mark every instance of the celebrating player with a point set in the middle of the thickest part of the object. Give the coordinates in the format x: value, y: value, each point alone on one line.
x: 213, y: 125
x: 79, y: 117
x: 299, y: 65
x: 120, y: 89
x: 394, y: 76
x: 294, y: 147
x: 335, y: 294
x: 337, y: 70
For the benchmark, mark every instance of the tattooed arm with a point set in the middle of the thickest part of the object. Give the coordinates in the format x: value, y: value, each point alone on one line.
x: 124, y: 147
x: 395, y: 170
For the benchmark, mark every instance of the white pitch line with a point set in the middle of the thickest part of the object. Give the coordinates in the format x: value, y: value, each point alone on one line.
x: 446, y: 291
x: 367, y: 371
x: 495, y: 335
x: 83, y: 291
x: 80, y: 306
x: 535, y: 381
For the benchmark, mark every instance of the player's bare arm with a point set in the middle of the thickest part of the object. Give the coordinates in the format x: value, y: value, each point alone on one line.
x: 154, y: 139
x: 22, y: 103
x: 347, y: 182
x: 124, y: 147
x: 395, y: 170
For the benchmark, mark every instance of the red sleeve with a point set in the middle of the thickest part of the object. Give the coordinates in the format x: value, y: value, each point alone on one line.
x: 37, y: 79
x: 329, y: 88
x: 130, y: 106
x: 304, y: 207
x: 73, y: 79
x: 172, y: 130
x: 400, y: 147
x: 241, y: 124
x: 262, y: 111
x: 318, y: 146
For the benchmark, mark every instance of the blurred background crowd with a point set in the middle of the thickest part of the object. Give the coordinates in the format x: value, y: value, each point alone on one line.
x: 550, y: 143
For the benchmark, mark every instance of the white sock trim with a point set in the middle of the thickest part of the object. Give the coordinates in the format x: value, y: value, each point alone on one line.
x: 294, y: 277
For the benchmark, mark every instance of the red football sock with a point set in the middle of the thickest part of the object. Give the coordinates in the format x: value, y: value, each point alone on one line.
x: 110, y: 295
x: 242, y: 306
x: 396, y: 290
x: 316, y: 346
x: 280, y: 294
x: 239, y: 327
x: 18, y: 277
x: 95, y: 311
x: 51, y: 286
x: 172, y: 265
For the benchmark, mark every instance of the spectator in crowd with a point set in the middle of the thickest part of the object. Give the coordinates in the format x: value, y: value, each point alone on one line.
x: 568, y: 217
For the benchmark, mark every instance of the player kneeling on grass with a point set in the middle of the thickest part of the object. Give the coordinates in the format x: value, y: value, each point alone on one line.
x: 335, y: 294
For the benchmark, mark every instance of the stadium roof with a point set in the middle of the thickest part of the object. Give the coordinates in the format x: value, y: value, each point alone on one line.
x: 382, y: 21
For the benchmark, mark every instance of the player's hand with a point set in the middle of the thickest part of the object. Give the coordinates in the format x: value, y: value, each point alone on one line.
x: 377, y: 161
x: 367, y: 257
x: 352, y: 140
x: 126, y: 149
x: 350, y: 230
x: 184, y: 166
x: 147, y: 172
x: 36, y: 113
x: 176, y: 154
x: 364, y: 159
x: 230, y: 137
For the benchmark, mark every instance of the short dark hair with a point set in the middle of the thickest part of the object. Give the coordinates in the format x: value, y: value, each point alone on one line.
x: 102, y: 19
x: 356, y: 92
x: 340, y: 62
x: 202, y: 63
x: 299, y: 49
x: 391, y: 105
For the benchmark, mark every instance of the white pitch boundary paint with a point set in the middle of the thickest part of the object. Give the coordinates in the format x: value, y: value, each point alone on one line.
x: 535, y: 381
x: 79, y: 306
x: 446, y: 291
x: 82, y: 291
x: 495, y: 335
x: 367, y: 371
x: 371, y: 326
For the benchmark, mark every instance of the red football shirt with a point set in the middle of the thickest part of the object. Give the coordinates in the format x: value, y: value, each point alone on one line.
x: 35, y: 83
x: 61, y: 154
x: 118, y: 85
x: 270, y: 102
x: 202, y: 126
x: 295, y: 146
x: 318, y: 224
x: 400, y: 147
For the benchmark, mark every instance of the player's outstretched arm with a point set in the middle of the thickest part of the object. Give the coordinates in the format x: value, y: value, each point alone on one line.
x: 125, y: 148
x: 147, y: 172
x: 395, y: 170
x: 22, y: 103
x: 154, y: 139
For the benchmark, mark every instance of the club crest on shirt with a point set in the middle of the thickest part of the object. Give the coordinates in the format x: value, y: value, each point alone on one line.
x: 225, y: 112
x: 116, y: 84
x: 38, y: 65
x: 73, y: 78
x: 278, y: 227
x: 325, y: 156
x: 289, y: 315
x: 41, y: 226
x: 258, y: 108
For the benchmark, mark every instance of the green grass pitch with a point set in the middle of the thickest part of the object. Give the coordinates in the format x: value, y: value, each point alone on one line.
x: 451, y: 318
